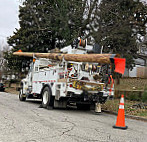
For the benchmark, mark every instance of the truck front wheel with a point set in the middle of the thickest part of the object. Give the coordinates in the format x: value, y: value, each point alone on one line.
x: 47, y: 98
x: 21, y: 95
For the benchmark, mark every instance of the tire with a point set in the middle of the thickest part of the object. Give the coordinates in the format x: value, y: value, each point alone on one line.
x: 47, y: 98
x: 21, y: 97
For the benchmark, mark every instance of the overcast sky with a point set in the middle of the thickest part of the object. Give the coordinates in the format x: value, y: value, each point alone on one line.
x: 9, y: 18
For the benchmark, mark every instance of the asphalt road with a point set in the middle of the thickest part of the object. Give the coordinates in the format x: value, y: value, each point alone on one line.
x: 25, y: 122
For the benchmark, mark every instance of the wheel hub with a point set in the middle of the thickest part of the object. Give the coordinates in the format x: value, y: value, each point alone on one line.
x: 45, y: 97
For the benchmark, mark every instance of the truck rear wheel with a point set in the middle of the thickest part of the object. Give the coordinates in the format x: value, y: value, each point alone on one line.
x: 21, y: 95
x: 47, y: 98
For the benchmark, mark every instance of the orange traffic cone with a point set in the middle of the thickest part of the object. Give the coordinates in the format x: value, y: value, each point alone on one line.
x: 120, y: 123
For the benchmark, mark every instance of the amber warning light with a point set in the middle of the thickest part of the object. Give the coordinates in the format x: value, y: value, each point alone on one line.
x: 34, y: 60
x: 19, y: 50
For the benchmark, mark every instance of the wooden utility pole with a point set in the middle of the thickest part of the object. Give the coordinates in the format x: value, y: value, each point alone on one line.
x: 97, y: 58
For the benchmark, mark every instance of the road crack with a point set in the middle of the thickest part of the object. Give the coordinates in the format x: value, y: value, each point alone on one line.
x: 68, y: 129
x: 36, y: 113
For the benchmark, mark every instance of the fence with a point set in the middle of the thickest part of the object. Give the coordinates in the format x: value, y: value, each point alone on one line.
x: 142, y: 72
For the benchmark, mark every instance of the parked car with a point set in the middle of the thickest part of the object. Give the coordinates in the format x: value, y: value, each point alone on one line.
x: 2, y: 87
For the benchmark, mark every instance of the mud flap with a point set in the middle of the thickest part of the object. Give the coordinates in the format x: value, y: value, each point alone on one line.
x: 60, y: 104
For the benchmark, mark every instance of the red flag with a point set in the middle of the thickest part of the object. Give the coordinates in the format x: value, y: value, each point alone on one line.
x: 120, y: 65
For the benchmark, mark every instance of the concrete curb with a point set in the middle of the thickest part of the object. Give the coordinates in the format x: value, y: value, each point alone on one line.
x: 127, y: 116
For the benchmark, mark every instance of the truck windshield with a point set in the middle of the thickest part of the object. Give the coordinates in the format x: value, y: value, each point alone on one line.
x: 31, y: 67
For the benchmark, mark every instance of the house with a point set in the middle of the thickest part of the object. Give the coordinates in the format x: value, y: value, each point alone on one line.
x: 140, y: 69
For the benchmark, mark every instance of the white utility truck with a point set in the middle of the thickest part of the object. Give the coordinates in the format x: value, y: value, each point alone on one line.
x: 73, y: 78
